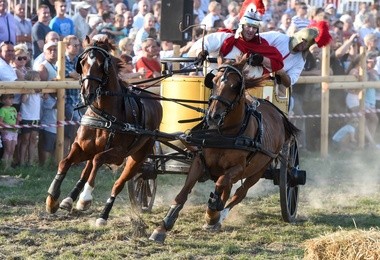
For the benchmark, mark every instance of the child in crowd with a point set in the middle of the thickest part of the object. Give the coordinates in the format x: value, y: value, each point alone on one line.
x: 129, y: 69
x: 345, y: 137
x: 8, y: 117
x: 30, y: 113
x: 48, y: 133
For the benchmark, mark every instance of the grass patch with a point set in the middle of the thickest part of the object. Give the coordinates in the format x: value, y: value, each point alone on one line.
x: 341, y: 193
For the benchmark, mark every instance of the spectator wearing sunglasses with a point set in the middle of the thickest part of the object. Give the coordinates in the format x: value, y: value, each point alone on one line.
x: 300, y: 20
x: 21, y: 59
x: 7, y: 23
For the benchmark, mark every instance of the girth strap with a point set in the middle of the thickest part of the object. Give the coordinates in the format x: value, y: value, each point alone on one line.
x: 213, y: 139
x: 108, y: 125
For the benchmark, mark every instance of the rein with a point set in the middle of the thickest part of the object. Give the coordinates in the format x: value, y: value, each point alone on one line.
x: 107, y: 121
x: 213, y: 138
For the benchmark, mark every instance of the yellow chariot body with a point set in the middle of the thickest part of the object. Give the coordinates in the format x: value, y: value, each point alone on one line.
x: 184, y: 101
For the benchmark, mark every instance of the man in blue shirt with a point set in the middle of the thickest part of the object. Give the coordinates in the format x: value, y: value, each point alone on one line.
x: 7, y: 24
x: 62, y: 25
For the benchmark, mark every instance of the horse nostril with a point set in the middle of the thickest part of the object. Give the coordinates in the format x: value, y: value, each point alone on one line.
x: 213, y: 117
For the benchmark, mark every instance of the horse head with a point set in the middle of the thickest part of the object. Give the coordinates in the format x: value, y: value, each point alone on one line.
x: 95, y: 67
x: 227, y: 90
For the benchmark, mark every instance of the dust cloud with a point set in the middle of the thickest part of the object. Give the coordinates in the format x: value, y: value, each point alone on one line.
x: 337, y: 180
x: 331, y: 182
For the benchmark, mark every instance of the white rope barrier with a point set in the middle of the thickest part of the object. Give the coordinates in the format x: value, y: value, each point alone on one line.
x: 337, y: 115
x: 58, y: 124
x: 63, y: 123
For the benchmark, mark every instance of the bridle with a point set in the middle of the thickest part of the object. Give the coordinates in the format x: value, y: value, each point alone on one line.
x: 103, y: 81
x: 227, y: 69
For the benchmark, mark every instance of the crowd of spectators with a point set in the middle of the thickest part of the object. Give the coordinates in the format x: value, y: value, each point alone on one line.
x: 28, y: 51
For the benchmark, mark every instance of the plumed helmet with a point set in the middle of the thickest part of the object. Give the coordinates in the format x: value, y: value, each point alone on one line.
x: 251, y: 17
x: 316, y: 33
x: 250, y: 13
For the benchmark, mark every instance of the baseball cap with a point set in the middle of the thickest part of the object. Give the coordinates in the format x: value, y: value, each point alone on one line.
x: 329, y: 6
x: 83, y: 5
x: 49, y: 44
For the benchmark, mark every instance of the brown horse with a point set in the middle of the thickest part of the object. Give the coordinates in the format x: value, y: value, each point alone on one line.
x: 116, y: 125
x: 239, y: 139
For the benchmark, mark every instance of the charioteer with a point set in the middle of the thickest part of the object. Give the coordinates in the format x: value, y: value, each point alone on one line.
x: 263, y: 58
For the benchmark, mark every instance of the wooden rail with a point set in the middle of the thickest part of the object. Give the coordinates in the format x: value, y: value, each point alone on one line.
x: 328, y: 82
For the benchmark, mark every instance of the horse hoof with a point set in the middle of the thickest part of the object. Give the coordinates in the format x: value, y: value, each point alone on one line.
x: 83, y: 205
x: 100, y: 222
x: 213, y: 228
x: 66, y: 204
x: 52, y: 205
x: 158, y: 236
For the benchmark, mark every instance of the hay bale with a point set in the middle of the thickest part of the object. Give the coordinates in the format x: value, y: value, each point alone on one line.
x: 354, y: 244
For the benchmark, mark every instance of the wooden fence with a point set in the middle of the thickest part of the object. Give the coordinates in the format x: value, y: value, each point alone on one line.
x: 328, y: 82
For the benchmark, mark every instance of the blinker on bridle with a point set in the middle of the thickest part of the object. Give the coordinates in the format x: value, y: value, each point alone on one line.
x: 102, y: 81
x: 227, y: 103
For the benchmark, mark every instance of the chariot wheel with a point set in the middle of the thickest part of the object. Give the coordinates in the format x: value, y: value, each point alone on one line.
x: 289, y: 180
x: 142, y: 188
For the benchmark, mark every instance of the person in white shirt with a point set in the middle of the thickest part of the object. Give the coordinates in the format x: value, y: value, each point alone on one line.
x: 197, y: 10
x: 81, y: 26
x: 30, y: 113
x: 51, y: 36
x: 23, y: 26
x: 232, y: 19
x: 138, y: 19
x: 48, y: 69
x: 214, y: 13
x: 7, y: 54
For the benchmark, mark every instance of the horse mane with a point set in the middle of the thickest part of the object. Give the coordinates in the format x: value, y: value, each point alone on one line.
x: 290, y: 128
x: 240, y: 64
x: 103, y: 42
x: 100, y: 41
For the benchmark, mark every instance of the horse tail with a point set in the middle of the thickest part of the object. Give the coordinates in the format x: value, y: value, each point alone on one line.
x: 290, y: 128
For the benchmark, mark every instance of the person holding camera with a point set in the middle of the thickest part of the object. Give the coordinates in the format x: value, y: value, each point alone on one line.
x: 263, y: 58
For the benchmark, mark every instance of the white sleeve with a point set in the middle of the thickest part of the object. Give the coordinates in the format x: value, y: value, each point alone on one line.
x: 294, y: 65
x: 212, y: 43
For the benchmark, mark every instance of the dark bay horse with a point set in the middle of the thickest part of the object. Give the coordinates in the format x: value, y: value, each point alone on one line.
x: 239, y: 139
x: 110, y: 130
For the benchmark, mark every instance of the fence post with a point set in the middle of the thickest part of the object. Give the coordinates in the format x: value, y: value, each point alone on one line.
x: 60, y: 103
x: 325, y: 96
x: 362, y: 77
